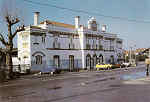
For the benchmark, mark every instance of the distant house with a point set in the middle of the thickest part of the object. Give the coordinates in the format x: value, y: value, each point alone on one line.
x: 51, y: 44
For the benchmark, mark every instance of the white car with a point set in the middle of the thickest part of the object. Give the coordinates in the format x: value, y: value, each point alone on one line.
x: 127, y: 64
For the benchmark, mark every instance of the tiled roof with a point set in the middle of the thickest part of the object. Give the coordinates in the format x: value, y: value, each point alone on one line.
x: 59, y: 24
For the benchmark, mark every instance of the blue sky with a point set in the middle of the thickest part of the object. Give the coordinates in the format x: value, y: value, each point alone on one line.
x: 133, y: 33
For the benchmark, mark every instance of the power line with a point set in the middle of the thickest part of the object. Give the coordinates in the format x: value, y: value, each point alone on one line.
x: 87, y: 12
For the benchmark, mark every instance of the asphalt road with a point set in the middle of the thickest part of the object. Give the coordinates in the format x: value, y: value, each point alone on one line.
x: 118, y: 85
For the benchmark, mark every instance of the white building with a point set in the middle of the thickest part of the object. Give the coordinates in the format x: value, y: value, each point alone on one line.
x: 50, y: 44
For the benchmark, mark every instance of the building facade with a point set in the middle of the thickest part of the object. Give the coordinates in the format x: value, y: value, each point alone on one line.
x: 50, y: 44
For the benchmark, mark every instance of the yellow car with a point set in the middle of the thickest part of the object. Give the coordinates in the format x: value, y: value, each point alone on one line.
x: 103, y: 66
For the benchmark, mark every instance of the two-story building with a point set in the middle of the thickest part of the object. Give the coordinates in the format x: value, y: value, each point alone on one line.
x: 50, y: 44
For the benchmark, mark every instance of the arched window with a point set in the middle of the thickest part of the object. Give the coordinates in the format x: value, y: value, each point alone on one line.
x: 56, y: 61
x: 101, y: 58
x: 88, y: 60
x: 38, y: 59
x: 112, y: 59
x: 94, y: 59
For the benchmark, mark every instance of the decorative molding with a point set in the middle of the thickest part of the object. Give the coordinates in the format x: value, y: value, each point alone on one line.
x: 112, y: 39
x: 35, y: 43
x: 93, y: 35
x: 37, y: 53
x: 38, y: 33
x: 74, y: 49
x: 63, y: 33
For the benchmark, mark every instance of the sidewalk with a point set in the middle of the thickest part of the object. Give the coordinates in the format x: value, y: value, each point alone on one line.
x: 140, y: 81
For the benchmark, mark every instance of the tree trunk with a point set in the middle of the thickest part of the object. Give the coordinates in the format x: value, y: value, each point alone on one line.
x: 9, y: 66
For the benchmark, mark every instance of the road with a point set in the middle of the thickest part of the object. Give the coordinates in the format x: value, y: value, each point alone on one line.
x: 118, y: 85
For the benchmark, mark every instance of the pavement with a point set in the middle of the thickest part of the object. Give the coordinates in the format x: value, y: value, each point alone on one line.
x: 91, y: 86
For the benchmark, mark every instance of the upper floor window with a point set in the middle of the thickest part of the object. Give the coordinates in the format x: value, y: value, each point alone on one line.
x: 36, y: 40
x: 43, y: 39
x: 25, y: 45
x: 88, y: 46
x: 87, y: 40
x: 94, y: 44
x: 120, y: 42
x: 56, y: 44
x: 25, y: 37
x: 111, y: 48
x: 71, y: 44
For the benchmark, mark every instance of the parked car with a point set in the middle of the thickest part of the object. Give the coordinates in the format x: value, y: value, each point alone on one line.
x: 116, y: 65
x: 103, y: 66
x: 125, y: 64
x: 50, y: 71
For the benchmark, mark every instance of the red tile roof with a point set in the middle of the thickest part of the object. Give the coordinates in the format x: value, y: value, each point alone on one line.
x: 59, y: 24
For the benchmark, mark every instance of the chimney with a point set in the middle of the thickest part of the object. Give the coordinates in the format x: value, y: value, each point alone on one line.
x: 36, y: 18
x: 77, y: 22
x: 103, y: 28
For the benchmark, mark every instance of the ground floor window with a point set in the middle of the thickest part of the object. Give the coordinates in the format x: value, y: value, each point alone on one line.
x: 56, y: 61
x: 38, y: 59
x: 112, y: 59
x: 88, y: 60
x: 71, y: 62
x: 94, y: 60
x: 101, y: 59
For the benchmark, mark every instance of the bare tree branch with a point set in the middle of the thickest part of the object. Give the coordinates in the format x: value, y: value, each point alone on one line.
x: 2, y: 39
x: 11, y: 20
x: 7, y: 19
x: 21, y: 28
x: 14, y: 21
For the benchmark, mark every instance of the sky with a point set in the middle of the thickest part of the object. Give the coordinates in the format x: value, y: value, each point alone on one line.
x: 135, y: 31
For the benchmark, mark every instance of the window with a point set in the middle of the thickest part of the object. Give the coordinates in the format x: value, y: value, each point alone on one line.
x: 35, y: 40
x: 25, y: 45
x: 88, y: 46
x: 56, y: 44
x: 38, y: 59
x: 71, y: 45
x: 111, y: 61
x: 88, y: 60
x: 43, y: 39
x: 71, y: 62
x: 100, y: 59
x: 25, y: 37
x: 94, y: 44
x: 56, y: 61
x: 94, y: 60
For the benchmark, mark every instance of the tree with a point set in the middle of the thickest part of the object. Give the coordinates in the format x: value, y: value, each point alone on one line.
x: 12, y: 20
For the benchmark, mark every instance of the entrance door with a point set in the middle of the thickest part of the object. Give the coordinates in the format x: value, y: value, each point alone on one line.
x: 71, y: 62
